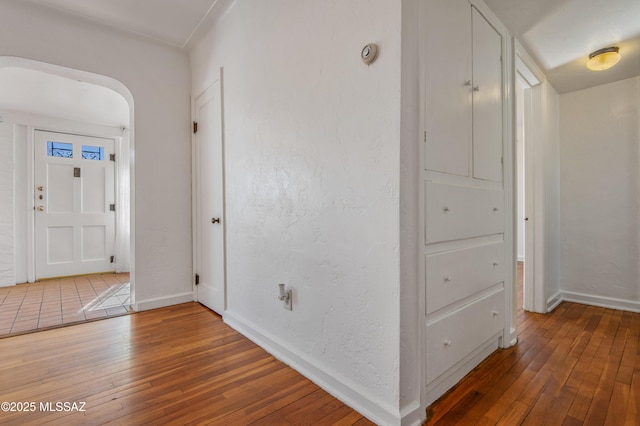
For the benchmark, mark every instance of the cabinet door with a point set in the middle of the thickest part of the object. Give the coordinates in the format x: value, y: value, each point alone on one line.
x: 448, y: 86
x: 487, y: 100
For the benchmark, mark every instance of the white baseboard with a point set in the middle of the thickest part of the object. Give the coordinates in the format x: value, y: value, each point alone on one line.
x: 161, y: 302
x: 602, y: 301
x: 554, y: 301
x: 352, y: 394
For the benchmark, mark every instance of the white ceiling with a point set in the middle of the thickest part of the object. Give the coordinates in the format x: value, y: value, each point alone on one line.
x: 559, y: 34
x: 173, y: 22
x: 38, y: 92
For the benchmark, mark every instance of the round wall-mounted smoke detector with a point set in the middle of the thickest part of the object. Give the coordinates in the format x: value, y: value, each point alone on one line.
x: 369, y: 53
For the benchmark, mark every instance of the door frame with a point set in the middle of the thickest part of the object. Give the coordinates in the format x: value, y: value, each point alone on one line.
x: 530, y: 75
x: 34, y: 124
x: 118, y: 220
x: 195, y: 170
x: 127, y: 134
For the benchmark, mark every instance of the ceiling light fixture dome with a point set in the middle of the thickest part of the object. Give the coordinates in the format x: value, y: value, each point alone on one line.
x: 603, y: 59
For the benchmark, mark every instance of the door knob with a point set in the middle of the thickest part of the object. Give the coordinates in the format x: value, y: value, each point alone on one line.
x: 526, y: 218
x: 215, y: 220
x: 40, y: 208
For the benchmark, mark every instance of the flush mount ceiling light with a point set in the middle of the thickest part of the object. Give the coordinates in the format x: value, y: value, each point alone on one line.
x: 603, y: 59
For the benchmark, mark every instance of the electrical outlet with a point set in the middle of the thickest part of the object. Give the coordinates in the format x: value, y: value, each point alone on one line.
x: 286, y: 296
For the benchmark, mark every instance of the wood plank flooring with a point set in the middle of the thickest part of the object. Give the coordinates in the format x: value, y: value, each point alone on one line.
x: 579, y: 365
x: 177, y: 365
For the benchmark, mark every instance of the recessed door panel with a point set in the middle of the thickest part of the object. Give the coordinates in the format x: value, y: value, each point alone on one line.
x: 59, y: 244
x: 93, y: 190
x: 93, y: 243
x: 60, y: 191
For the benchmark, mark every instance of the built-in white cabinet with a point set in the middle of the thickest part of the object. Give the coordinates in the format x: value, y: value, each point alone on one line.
x: 463, y: 117
x: 454, y: 336
x: 448, y: 88
x: 487, y: 99
x: 455, y: 212
x: 465, y: 209
x: 449, y: 283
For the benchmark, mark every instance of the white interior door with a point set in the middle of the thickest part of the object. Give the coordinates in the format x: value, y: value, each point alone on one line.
x: 74, y: 191
x: 209, y: 200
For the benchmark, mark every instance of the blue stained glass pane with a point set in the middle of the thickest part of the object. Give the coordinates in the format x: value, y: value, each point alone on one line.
x: 92, y: 152
x: 59, y: 149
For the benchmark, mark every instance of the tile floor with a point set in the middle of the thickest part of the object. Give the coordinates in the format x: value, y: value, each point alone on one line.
x: 53, y: 303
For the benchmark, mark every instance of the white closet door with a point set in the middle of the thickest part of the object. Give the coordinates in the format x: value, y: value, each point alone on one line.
x: 210, y: 199
x: 487, y: 100
x: 448, y: 88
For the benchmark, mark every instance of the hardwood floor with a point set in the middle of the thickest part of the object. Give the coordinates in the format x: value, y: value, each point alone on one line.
x: 578, y: 365
x: 183, y: 365
x: 176, y: 365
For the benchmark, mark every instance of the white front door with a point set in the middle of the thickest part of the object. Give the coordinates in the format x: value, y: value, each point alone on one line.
x: 74, y: 194
x: 209, y: 228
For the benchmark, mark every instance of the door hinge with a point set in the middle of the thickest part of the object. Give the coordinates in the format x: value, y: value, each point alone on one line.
x: 76, y: 172
x: 425, y: 135
x: 112, y: 157
x: 195, y: 127
x: 112, y: 207
x: 113, y: 259
x: 197, y: 279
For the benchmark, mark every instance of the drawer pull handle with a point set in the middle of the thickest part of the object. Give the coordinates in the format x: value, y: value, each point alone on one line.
x: 496, y: 313
x: 495, y: 263
x: 495, y: 209
x: 447, y: 342
x: 445, y: 209
x: 447, y: 279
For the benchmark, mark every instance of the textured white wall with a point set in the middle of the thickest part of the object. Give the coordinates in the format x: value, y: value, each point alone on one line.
x: 158, y: 79
x: 312, y: 152
x: 600, y: 184
x: 7, y: 269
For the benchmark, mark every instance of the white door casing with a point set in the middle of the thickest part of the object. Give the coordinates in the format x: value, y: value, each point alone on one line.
x: 74, y: 188
x: 209, y: 199
x: 530, y: 77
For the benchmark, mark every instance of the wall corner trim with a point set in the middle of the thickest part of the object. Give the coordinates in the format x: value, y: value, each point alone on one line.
x: 349, y: 393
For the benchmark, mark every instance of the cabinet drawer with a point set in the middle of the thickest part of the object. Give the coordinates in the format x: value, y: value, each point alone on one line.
x: 455, y: 212
x: 455, y: 336
x: 457, y: 274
